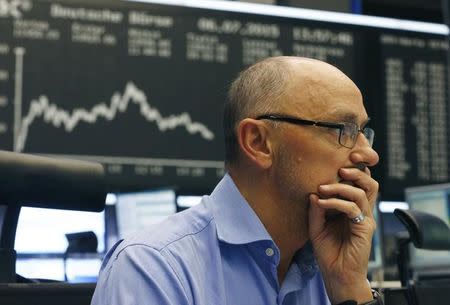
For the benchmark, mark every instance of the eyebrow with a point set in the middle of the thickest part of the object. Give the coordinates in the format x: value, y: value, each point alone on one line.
x: 348, y: 117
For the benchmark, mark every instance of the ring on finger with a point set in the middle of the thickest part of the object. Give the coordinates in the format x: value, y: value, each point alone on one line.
x: 358, y: 219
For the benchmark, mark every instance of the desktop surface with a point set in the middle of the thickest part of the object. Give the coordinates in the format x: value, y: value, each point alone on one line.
x: 46, y: 294
x: 395, y: 296
x: 436, y: 292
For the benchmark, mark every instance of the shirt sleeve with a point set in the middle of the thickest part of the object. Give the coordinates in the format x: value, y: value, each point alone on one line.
x: 139, y: 275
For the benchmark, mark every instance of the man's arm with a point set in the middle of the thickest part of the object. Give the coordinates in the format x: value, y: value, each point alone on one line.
x: 138, y: 274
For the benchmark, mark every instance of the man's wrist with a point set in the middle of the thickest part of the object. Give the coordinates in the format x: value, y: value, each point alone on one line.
x: 377, y: 300
x: 356, y: 290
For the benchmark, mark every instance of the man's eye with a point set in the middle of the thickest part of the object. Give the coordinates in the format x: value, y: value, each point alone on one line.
x: 335, y: 131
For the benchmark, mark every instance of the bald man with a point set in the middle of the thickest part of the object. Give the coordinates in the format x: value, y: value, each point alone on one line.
x: 290, y: 223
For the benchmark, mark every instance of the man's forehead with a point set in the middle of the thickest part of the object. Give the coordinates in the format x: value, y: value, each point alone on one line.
x: 321, y: 91
x: 337, y: 110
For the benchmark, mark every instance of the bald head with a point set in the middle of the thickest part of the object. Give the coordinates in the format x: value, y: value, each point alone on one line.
x: 314, y: 83
x: 271, y: 85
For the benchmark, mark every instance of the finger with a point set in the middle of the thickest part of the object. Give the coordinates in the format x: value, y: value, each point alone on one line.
x: 347, y: 193
x: 362, y: 180
x: 349, y: 208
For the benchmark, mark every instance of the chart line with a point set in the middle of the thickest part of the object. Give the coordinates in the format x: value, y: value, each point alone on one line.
x: 52, y: 114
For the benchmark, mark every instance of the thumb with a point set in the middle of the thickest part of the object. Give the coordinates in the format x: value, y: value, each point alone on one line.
x: 316, y: 217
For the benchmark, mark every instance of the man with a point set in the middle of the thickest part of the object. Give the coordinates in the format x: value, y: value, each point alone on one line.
x: 290, y: 223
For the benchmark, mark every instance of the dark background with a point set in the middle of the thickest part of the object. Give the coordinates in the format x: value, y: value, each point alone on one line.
x: 81, y: 76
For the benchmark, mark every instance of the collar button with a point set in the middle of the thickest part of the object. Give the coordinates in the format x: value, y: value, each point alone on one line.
x: 270, y: 252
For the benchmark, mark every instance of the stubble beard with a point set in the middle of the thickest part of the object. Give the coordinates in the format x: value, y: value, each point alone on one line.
x: 295, y: 200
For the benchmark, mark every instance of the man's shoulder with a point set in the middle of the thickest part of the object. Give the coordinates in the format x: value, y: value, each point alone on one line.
x: 156, y: 257
x: 196, y: 222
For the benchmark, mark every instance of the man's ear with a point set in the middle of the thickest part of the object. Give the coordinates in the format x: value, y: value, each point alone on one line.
x: 254, y: 142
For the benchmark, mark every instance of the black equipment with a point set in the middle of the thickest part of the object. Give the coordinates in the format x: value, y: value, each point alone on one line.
x: 425, y: 231
x: 28, y: 180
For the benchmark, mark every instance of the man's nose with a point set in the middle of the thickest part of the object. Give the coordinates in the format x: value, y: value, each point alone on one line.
x: 364, y: 153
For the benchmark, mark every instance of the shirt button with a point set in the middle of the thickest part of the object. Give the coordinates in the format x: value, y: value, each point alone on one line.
x: 269, y: 252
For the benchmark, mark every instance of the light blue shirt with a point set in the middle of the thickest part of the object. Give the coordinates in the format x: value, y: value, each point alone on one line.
x: 215, y: 253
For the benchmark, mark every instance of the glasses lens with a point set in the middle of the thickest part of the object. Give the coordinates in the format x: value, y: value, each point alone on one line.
x: 349, y: 132
x: 369, y: 133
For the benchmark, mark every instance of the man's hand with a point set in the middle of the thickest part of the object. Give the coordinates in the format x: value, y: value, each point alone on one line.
x: 342, y: 247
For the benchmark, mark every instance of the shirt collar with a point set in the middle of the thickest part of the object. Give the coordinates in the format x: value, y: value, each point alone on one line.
x: 236, y: 221
x: 305, y: 260
x: 301, y: 271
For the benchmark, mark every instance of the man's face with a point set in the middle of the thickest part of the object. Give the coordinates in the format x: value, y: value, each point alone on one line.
x: 309, y: 156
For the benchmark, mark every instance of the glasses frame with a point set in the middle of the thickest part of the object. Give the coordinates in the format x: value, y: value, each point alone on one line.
x: 368, y: 132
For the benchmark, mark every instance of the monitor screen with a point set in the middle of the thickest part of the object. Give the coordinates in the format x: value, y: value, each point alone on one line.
x: 41, y: 242
x: 137, y: 211
x: 433, y: 199
x: 187, y: 201
x: 78, y: 269
x: 43, y: 231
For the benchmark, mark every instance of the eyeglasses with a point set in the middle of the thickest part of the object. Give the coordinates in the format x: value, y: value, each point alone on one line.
x: 348, y: 132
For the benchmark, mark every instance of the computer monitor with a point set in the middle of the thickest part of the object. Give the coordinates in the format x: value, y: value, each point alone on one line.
x: 389, y: 227
x: 432, y: 199
x: 41, y: 243
x: 138, y: 210
x: 43, y: 230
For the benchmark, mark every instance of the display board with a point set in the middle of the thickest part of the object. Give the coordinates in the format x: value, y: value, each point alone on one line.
x: 415, y: 113
x: 140, y: 86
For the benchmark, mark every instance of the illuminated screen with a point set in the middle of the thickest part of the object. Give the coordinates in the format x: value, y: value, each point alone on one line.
x: 79, y: 270
x: 185, y: 202
x: 137, y: 211
x: 41, y: 242
x: 434, y: 200
x: 43, y: 230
